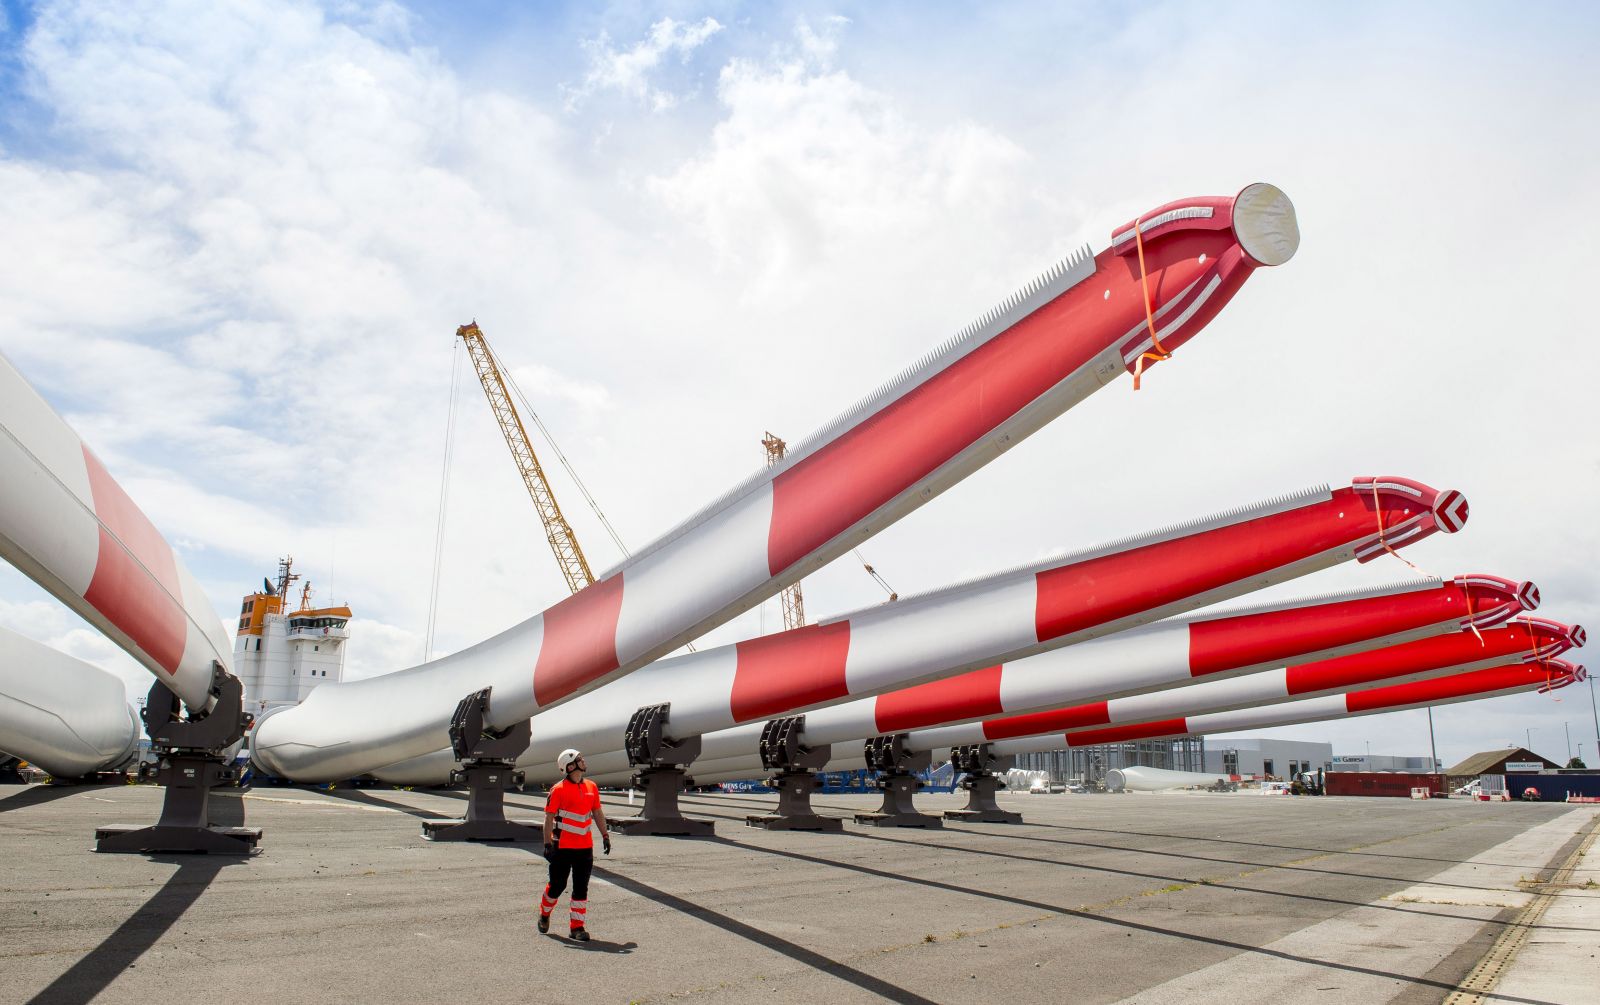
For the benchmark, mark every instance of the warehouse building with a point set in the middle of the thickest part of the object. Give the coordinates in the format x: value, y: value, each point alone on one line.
x: 1088, y: 765
x: 1260, y: 756
x: 1511, y: 760
x: 1384, y: 762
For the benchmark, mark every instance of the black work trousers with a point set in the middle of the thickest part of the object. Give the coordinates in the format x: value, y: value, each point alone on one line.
x: 576, y: 862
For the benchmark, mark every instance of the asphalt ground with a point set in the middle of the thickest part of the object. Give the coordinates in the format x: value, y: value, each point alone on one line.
x: 1092, y: 899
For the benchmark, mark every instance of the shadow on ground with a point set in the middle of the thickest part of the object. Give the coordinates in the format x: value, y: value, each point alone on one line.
x: 794, y: 951
x: 121, y: 950
x: 34, y: 795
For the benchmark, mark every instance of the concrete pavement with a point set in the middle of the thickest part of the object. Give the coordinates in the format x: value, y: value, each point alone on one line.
x: 1093, y: 899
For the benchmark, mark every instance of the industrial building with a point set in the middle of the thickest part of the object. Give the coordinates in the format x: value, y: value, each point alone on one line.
x: 1384, y: 762
x: 1088, y: 765
x: 1259, y: 756
x: 1510, y: 760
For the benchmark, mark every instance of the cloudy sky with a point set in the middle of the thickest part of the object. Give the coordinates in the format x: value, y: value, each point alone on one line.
x: 238, y: 238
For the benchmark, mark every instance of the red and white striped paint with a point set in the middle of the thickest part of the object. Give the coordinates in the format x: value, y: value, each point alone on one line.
x: 1064, y: 336
x: 1120, y: 673
x: 1460, y: 651
x: 1470, y: 686
x: 1233, y: 644
x: 883, y: 460
x: 1156, y: 657
x: 1485, y: 683
x: 1447, y: 654
x: 1020, y: 613
x: 67, y: 524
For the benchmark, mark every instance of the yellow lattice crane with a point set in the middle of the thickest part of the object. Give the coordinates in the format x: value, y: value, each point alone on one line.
x: 794, y: 606
x: 574, y: 566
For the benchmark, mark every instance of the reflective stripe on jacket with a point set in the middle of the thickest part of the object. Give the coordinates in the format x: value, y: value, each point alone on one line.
x: 574, y: 807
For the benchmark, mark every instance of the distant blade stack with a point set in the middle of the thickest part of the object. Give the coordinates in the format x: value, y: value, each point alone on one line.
x: 1047, y: 606
x: 1069, y: 332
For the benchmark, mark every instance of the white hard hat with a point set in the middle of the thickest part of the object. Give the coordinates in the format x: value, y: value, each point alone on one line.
x: 565, y: 760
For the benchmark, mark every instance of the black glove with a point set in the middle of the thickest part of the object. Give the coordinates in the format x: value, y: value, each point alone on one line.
x: 549, y: 851
x: 605, y: 843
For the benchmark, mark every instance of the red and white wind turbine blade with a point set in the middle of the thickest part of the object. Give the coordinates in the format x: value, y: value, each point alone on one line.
x: 1074, y: 329
x: 1014, y: 615
x: 1471, y: 686
x: 1525, y: 640
x: 1489, y: 683
x: 1160, y: 656
x: 68, y: 525
x: 1177, y: 651
x: 1424, y: 658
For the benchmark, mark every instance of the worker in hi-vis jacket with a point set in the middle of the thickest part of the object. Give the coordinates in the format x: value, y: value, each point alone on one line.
x: 574, y: 805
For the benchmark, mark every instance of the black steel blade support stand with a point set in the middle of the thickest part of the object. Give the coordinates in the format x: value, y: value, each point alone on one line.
x: 194, y: 759
x: 982, y: 766
x: 795, y: 777
x: 661, y: 762
x: 898, y: 782
x: 488, y: 759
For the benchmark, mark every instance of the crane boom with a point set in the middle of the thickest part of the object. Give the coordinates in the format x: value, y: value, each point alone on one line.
x: 574, y: 566
x: 794, y: 607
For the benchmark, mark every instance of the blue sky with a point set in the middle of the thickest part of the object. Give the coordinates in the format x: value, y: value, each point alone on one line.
x: 14, y: 21
x: 246, y: 233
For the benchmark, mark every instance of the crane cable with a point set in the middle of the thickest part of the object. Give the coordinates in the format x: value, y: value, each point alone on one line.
x: 874, y: 574
x: 444, y: 500
x: 566, y: 465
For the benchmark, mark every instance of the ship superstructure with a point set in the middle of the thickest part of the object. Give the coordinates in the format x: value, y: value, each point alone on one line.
x: 282, y: 655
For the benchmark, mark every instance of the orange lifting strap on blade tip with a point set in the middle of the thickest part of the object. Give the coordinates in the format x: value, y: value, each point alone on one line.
x: 1544, y: 661
x: 1472, y: 616
x: 1466, y: 588
x: 1157, y: 352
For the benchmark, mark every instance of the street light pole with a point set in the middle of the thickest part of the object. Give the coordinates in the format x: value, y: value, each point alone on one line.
x: 1596, y: 712
x: 1568, y: 727
x: 1433, y: 750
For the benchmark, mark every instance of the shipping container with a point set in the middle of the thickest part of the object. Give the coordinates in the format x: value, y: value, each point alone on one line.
x: 1383, y: 783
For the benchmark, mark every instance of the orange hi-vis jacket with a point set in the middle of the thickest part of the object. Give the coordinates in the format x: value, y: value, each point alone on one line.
x: 574, y: 807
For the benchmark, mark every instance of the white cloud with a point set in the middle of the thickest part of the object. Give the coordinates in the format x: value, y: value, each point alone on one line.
x: 543, y: 383
x: 629, y: 71
x: 820, y: 45
x: 376, y: 648
x: 276, y: 224
x: 810, y: 173
x: 239, y: 261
